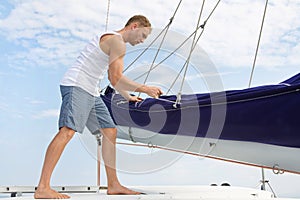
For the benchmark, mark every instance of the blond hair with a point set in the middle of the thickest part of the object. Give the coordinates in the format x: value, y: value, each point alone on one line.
x: 140, y: 19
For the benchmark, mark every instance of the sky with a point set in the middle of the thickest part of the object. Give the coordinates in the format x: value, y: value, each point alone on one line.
x: 40, y: 39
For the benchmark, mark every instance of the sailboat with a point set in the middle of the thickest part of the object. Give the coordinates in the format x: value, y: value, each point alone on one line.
x: 260, y: 127
x: 253, y: 126
x: 256, y: 126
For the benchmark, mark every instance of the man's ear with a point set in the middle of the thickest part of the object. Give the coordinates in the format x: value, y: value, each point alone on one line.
x: 134, y: 25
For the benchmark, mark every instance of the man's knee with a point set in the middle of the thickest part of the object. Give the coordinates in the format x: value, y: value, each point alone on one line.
x: 66, y: 133
x: 109, y: 132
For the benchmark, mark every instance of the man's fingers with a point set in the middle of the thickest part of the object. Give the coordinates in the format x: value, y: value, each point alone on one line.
x: 135, y: 99
x: 160, y: 91
x: 154, y: 92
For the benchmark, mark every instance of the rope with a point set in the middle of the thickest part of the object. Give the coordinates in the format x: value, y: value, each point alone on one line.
x: 144, y: 50
x: 260, y: 33
x: 107, y: 14
x: 201, y: 26
x: 147, y: 48
x: 164, y: 30
x: 158, y: 50
x: 163, y: 60
x: 173, y: 83
x: 186, y: 65
x: 162, y: 41
x: 130, y: 135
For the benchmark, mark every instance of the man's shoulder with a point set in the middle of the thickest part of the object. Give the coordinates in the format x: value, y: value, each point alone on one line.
x: 111, y: 36
x: 112, y: 42
x: 116, y: 42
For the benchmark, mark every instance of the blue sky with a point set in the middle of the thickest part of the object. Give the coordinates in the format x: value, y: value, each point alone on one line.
x: 40, y: 39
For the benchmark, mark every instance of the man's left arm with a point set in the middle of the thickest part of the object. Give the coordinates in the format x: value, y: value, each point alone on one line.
x: 120, y: 82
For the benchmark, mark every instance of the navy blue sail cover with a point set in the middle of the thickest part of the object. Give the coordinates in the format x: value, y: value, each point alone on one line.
x: 266, y: 114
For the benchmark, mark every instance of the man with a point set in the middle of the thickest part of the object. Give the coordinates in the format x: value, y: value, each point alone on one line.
x: 82, y: 105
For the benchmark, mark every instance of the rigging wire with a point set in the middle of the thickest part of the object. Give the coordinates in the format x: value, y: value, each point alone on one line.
x: 202, y: 26
x: 252, y: 71
x: 165, y: 29
x: 256, y: 51
x: 147, y: 48
x: 186, y: 65
x: 154, y: 40
x: 188, y: 59
x: 162, y: 41
x: 175, y: 50
x: 107, y: 14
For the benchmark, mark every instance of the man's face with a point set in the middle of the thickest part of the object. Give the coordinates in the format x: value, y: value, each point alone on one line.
x: 138, y: 35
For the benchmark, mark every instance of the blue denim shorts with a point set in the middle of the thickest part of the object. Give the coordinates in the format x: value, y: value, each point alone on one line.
x: 80, y: 109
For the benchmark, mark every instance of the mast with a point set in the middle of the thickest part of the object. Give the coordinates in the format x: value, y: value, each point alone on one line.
x: 263, y: 180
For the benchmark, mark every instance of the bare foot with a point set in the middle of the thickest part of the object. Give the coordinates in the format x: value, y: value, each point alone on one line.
x: 42, y: 193
x: 121, y: 190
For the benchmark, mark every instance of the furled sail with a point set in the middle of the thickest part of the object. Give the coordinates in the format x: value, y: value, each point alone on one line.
x: 258, y: 126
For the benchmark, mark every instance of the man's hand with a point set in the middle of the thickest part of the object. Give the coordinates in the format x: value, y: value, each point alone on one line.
x: 153, y: 91
x: 135, y: 99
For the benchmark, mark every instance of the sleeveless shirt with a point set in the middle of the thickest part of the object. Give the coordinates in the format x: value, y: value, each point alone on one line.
x: 89, y: 67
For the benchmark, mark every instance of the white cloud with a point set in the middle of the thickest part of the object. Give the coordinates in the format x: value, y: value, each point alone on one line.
x: 3, y: 106
x: 33, y: 101
x: 36, y: 102
x: 46, y: 113
x: 52, y: 33
x: 3, y: 73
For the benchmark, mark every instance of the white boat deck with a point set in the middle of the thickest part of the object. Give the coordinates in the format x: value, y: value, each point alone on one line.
x: 157, y: 193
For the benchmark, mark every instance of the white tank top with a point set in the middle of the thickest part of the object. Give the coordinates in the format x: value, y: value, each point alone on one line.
x: 89, y: 68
